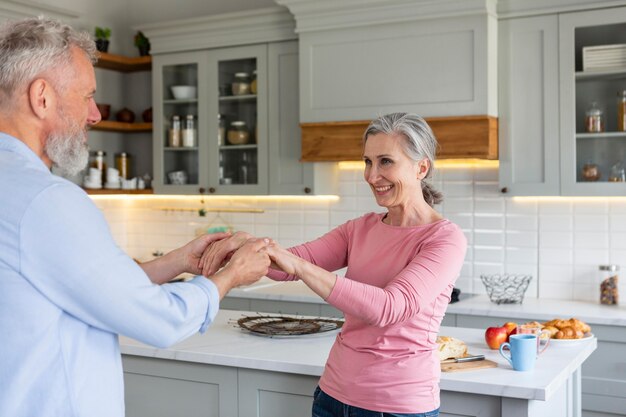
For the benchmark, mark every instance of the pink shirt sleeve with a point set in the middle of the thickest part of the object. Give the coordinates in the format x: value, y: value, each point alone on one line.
x: 432, y: 270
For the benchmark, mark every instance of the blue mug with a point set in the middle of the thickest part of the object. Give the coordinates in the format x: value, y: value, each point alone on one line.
x: 523, y: 348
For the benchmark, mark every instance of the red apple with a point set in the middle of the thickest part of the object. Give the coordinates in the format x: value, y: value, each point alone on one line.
x: 511, y: 328
x: 495, y: 336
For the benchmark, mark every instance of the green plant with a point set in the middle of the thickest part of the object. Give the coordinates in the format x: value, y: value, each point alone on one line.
x: 103, y: 33
x: 141, y: 40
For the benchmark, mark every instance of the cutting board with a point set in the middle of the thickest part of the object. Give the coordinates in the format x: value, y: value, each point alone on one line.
x: 468, y: 366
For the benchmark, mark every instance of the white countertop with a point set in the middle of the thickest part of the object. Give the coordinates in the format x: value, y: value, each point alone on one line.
x: 227, y: 345
x: 478, y: 305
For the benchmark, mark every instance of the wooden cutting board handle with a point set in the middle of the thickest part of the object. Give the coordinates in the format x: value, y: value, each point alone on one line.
x: 468, y: 366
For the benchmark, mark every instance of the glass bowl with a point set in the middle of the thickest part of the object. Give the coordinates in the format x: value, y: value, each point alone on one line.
x: 506, y: 288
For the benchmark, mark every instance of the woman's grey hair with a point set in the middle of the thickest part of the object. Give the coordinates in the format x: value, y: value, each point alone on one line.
x: 31, y: 47
x: 420, y: 143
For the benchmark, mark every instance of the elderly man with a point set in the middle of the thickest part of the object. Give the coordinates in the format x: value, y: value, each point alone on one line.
x: 66, y: 288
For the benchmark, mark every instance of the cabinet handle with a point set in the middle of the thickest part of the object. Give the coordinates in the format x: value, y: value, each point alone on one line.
x: 211, y: 190
x: 504, y: 190
x: 307, y: 190
x: 201, y: 190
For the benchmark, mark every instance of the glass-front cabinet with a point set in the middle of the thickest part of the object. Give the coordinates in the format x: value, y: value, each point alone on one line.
x: 593, y: 102
x: 210, y: 121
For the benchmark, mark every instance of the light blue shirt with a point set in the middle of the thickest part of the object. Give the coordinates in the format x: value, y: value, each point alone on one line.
x: 67, y: 290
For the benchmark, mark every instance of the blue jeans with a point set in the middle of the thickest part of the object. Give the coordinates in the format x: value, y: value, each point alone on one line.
x: 326, y: 406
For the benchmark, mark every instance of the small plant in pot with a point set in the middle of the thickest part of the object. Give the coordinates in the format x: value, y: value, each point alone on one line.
x: 142, y: 43
x: 102, y: 38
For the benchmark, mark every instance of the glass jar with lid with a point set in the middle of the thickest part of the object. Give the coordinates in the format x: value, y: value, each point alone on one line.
x: 175, y: 132
x: 594, y: 120
x: 621, y: 111
x: 189, y: 132
x: 238, y: 133
x: 608, y: 284
x: 241, y: 83
x: 221, y: 130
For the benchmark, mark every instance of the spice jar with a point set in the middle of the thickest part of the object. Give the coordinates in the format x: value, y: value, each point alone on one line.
x: 241, y: 83
x: 253, y: 83
x: 621, y: 111
x: 608, y: 284
x: 594, y: 121
x: 189, y: 132
x: 175, y: 132
x: 590, y: 172
x: 123, y: 164
x: 238, y: 133
x: 617, y: 173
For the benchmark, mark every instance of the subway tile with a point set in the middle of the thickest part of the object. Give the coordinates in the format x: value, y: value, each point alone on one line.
x: 617, y: 206
x: 456, y: 174
x: 339, y: 217
x: 489, y: 206
x: 553, y: 256
x: 291, y: 217
x: 269, y: 230
x: 489, y: 222
x: 312, y: 232
x: 556, y: 273
x: 556, y: 239
x: 591, y: 222
x: 458, y: 189
x: 527, y: 207
x: 487, y: 189
x: 618, y: 222
x: 463, y: 205
x: 520, y: 222
x: 487, y: 268
x: 586, y: 274
x: 618, y: 256
x: 346, y: 188
x: 590, y: 256
x: 464, y: 283
x: 486, y: 174
x: 488, y: 238
x: 591, y: 240
x: 363, y: 189
x: 290, y: 231
x: 316, y: 217
x: 344, y: 204
x: 464, y: 221
x: 556, y: 223
x: 521, y: 255
x: 488, y: 254
x: 585, y: 292
x: 368, y: 205
x: 349, y: 175
x: 521, y: 239
x: 555, y: 290
x: 559, y: 207
x: 595, y: 206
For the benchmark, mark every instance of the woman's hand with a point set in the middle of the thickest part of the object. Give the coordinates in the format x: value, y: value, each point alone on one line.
x: 283, y: 259
x: 220, y: 252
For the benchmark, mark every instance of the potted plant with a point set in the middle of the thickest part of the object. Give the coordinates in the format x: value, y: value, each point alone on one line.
x: 142, y: 43
x: 102, y: 38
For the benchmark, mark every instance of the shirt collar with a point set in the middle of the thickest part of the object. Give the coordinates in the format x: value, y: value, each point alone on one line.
x: 12, y: 144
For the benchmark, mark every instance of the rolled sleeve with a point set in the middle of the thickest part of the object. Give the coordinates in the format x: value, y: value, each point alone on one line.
x: 212, y: 293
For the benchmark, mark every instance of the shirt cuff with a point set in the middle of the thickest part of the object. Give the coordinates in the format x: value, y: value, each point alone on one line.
x: 214, y: 300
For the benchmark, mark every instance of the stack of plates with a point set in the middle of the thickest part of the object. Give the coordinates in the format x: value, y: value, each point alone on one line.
x: 604, y: 57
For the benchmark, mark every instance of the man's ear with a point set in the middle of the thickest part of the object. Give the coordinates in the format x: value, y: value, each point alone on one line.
x: 40, y: 97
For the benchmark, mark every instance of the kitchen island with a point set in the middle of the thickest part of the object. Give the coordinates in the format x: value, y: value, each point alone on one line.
x: 231, y: 372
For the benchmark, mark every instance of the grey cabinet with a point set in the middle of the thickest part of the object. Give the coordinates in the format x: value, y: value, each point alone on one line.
x: 529, y: 105
x: 579, y: 88
x: 603, y: 374
x: 166, y: 388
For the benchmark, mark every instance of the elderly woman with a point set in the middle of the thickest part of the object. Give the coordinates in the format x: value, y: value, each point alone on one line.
x: 401, y: 268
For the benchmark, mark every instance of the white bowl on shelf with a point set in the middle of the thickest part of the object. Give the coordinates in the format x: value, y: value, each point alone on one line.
x: 183, y: 92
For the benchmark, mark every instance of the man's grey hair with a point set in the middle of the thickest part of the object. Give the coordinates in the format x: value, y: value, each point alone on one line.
x: 32, y: 47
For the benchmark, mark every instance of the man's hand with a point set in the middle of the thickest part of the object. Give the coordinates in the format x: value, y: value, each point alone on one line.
x: 219, y: 252
x: 191, y: 253
x: 247, y: 265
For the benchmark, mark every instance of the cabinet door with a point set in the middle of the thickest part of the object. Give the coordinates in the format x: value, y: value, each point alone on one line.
x: 528, y: 101
x: 287, y: 174
x: 592, y: 163
x: 179, y: 87
x: 237, y: 153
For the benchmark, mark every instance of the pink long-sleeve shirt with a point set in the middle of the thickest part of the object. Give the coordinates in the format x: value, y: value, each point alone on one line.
x: 394, y: 296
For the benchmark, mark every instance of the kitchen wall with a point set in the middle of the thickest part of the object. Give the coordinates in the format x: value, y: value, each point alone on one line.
x: 559, y: 241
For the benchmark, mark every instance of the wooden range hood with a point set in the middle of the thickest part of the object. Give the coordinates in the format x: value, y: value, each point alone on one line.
x: 463, y: 137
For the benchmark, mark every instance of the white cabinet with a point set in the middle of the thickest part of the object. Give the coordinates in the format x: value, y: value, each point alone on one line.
x: 578, y: 89
x: 529, y: 105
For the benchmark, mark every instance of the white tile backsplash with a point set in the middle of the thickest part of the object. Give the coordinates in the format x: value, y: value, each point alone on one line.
x: 560, y: 242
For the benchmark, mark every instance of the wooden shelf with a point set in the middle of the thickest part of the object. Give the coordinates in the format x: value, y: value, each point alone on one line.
x: 124, y: 63
x: 459, y: 137
x: 113, y: 126
x: 104, y: 191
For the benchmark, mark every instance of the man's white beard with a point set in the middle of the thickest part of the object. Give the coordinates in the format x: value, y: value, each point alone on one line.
x: 67, y: 150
